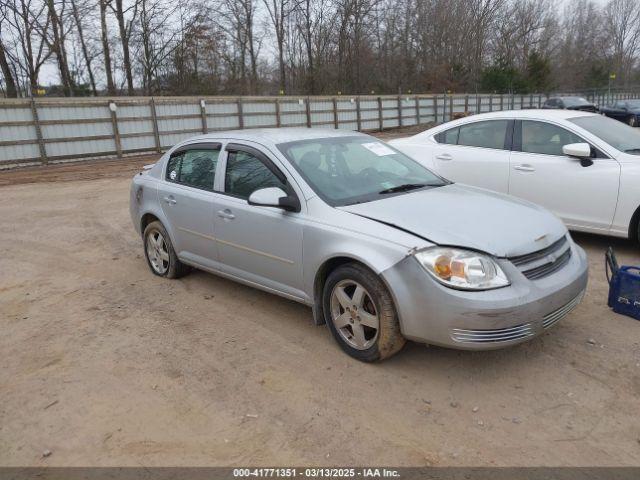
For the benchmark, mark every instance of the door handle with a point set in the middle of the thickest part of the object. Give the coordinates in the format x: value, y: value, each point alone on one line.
x: 444, y: 156
x: 170, y: 200
x: 524, y: 168
x: 226, y: 214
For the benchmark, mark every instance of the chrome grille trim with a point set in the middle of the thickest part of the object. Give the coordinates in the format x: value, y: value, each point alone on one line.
x: 540, y: 254
x: 548, y: 268
x: 552, y: 318
x: 461, y: 335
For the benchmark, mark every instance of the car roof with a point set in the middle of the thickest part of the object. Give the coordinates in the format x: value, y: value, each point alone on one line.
x: 275, y: 136
x: 536, y: 113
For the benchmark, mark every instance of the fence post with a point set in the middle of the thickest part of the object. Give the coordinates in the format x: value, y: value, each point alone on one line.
x: 380, y: 119
x: 335, y: 113
x: 450, y: 107
x: 501, y: 102
x: 277, y: 112
x: 36, y: 125
x: 308, y: 111
x: 154, y: 121
x: 478, y: 103
x: 114, y: 124
x: 399, y: 111
x: 539, y: 100
x: 490, y: 102
x: 435, y: 108
x: 466, y: 104
x: 358, y: 118
x: 417, y: 110
x: 521, y: 102
x: 444, y: 107
x: 240, y: 114
x: 203, y: 116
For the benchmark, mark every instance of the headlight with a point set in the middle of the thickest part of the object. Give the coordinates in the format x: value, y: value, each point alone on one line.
x: 462, y: 269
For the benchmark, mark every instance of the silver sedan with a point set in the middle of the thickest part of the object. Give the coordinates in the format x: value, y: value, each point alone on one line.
x: 381, y: 248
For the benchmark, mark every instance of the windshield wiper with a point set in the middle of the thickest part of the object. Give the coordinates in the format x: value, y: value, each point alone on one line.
x: 403, y: 188
x: 632, y: 150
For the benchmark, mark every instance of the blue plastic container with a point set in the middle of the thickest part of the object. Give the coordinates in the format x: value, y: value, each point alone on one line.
x: 624, y: 287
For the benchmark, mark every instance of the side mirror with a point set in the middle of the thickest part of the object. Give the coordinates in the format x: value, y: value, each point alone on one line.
x: 581, y: 151
x: 274, y: 197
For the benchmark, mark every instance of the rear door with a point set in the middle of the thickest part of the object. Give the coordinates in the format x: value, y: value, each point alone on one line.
x: 185, y: 194
x: 583, y: 197
x: 476, y: 153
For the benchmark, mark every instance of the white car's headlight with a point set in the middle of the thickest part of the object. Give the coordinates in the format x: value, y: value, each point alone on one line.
x: 462, y: 269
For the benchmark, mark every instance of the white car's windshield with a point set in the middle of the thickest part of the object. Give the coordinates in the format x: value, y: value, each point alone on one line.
x: 348, y: 170
x: 620, y: 136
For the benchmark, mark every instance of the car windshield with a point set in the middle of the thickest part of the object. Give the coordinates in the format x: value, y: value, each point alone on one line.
x: 620, y: 136
x: 575, y: 101
x: 348, y: 170
x: 633, y: 103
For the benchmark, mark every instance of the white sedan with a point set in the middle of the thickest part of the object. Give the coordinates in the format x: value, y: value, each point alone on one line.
x: 582, y: 166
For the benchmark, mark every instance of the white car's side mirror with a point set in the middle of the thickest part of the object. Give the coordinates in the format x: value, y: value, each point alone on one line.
x: 581, y: 151
x: 577, y: 150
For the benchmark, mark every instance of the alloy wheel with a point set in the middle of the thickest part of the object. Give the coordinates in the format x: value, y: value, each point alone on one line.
x: 157, y: 252
x: 354, y: 314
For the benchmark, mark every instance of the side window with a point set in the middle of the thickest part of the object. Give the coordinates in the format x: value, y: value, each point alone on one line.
x: 450, y: 137
x: 194, y: 168
x: 246, y: 173
x: 489, y: 134
x: 552, y: 102
x: 545, y: 138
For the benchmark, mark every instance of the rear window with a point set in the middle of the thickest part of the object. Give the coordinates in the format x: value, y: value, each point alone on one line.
x: 490, y: 134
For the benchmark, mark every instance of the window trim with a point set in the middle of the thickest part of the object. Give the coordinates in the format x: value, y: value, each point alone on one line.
x: 264, y: 159
x: 186, y: 148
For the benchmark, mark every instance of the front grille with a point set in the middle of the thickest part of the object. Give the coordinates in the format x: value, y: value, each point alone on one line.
x: 492, y: 336
x: 552, y: 318
x: 548, y: 268
x: 544, y: 262
x: 532, y: 257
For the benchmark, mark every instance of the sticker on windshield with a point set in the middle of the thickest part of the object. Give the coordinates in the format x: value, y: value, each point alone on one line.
x: 379, y: 149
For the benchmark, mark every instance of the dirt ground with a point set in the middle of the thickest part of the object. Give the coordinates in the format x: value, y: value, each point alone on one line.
x: 103, y: 363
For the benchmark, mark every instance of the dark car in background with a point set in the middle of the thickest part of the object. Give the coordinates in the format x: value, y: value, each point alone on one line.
x: 627, y: 111
x: 570, y: 103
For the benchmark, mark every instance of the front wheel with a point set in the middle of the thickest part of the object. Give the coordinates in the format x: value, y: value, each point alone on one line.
x: 360, y: 313
x: 633, y: 121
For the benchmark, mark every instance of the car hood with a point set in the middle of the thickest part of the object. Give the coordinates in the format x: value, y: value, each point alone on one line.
x: 464, y: 216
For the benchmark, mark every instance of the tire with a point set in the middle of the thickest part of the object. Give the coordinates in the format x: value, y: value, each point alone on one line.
x: 159, y: 252
x: 633, y: 121
x: 354, y: 299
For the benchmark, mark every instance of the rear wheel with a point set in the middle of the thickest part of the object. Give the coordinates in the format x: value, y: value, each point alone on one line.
x: 360, y: 313
x: 633, y: 121
x: 159, y: 252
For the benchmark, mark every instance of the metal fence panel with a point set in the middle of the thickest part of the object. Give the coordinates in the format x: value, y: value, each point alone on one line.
x: 49, y: 129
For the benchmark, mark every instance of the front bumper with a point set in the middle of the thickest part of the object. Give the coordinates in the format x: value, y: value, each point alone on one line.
x: 432, y: 313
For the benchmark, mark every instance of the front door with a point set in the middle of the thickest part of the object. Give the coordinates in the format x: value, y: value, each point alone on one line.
x: 262, y: 245
x: 583, y: 197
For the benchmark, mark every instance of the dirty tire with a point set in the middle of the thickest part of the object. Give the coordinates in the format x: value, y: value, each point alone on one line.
x: 175, y: 268
x: 389, y: 339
